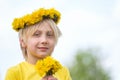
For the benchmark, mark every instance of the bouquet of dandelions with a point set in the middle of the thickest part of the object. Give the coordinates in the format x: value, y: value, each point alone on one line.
x: 47, y: 66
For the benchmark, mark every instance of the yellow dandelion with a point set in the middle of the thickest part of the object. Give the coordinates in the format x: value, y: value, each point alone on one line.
x: 35, y: 17
x: 47, y: 66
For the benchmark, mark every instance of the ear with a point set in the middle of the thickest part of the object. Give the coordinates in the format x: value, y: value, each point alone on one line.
x: 22, y: 43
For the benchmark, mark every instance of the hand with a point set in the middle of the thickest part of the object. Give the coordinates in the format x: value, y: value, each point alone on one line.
x: 49, y: 78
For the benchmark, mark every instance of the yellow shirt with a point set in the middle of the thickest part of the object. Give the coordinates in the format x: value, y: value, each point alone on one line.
x: 26, y: 71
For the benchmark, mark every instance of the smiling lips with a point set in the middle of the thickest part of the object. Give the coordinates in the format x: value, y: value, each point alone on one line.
x: 43, y: 48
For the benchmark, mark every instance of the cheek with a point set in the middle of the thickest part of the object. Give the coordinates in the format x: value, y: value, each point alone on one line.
x: 31, y: 42
x: 52, y: 43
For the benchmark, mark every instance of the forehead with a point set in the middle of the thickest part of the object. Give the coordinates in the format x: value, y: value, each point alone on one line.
x: 44, y: 27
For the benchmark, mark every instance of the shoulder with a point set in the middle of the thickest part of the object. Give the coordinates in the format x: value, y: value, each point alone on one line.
x: 64, y: 69
x: 15, y: 68
x: 64, y: 73
x: 13, y: 72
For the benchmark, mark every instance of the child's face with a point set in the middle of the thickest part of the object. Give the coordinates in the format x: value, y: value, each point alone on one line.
x: 41, y: 43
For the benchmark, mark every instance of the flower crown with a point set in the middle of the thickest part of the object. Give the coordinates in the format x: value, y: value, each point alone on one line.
x: 35, y: 17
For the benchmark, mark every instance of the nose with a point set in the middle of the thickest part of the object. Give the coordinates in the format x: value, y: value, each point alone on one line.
x: 44, y: 40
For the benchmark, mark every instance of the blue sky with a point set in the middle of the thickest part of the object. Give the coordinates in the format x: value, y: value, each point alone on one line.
x: 84, y: 24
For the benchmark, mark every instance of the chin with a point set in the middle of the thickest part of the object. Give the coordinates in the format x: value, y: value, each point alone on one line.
x: 42, y: 56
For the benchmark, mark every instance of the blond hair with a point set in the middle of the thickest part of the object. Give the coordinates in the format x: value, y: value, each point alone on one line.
x: 29, y: 30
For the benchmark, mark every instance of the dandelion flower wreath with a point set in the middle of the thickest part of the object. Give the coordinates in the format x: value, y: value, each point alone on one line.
x: 35, y: 17
x: 47, y: 66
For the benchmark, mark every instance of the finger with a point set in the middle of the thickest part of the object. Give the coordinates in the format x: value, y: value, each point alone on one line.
x: 44, y: 78
x: 52, y: 78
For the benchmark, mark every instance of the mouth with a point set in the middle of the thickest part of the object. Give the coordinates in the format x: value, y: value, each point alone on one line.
x: 43, y: 49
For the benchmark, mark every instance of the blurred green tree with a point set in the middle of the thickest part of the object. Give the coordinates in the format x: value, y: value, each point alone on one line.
x: 86, y: 66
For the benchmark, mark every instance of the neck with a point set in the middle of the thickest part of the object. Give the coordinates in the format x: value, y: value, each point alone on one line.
x: 31, y: 61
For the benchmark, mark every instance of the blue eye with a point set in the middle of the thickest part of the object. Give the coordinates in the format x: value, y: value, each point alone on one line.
x: 50, y: 34
x: 36, y: 34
